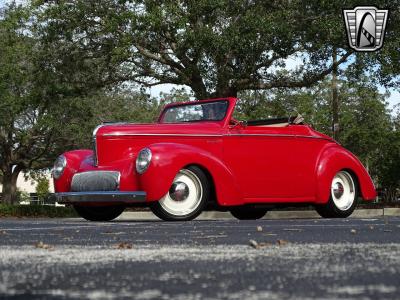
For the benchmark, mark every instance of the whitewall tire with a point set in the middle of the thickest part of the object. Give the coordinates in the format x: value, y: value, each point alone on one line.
x: 343, y: 197
x: 186, y: 198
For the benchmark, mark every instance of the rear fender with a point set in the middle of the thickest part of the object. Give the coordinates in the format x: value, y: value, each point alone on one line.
x: 169, y: 158
x: 335, y: 158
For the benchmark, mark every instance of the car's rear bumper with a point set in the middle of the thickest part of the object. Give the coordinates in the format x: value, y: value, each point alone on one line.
x: 109, y: 197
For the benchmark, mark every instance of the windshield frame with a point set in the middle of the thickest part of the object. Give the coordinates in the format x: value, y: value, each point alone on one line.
x: 193, y: 103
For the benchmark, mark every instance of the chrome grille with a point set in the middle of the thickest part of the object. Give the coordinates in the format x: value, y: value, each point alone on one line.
x: 95, y: 181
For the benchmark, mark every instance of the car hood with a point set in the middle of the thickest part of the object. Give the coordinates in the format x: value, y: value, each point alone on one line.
x: 128, y: 129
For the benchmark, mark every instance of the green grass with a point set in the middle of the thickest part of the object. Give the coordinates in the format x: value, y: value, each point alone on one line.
x: 37, y: 211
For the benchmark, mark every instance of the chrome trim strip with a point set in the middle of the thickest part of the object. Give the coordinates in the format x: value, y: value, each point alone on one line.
x: 260, y: 134
x: 314, y: 137
x: 159, y: 134
x: 282, y: 135
x: 97, y: 172
x: 96, y: 129
x: 213, y: 135
x: 95, y: 160
x: 118, y: 180
x: 101, y: 197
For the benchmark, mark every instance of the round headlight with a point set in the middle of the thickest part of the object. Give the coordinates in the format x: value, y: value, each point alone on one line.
x: 143, y: 160
x: 59, y: 166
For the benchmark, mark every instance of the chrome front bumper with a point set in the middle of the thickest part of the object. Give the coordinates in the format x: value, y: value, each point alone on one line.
x: 109, y: 197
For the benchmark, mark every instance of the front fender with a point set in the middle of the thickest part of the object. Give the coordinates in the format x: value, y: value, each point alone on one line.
x: 169, y: 158
x: 335, y: 158
x: 74, y: 160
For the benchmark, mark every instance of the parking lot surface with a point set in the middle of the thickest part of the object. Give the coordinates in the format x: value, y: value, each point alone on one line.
x: 204, y: 259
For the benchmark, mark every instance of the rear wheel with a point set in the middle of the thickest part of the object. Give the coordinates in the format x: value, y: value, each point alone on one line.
x: 248, y: 213
x: 186, y: 197
x: 343, y: 197
x: 99, y: 213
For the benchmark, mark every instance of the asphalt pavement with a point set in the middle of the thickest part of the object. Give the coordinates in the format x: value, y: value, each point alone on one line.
x: 202, y: 259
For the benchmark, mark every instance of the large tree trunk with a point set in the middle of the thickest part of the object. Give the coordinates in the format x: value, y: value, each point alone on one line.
x: 10, y: 185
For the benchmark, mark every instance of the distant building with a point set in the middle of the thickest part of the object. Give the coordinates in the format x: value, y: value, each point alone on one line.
x: 29, y: 186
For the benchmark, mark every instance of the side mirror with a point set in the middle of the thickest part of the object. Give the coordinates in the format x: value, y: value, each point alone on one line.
x: 239, y: 123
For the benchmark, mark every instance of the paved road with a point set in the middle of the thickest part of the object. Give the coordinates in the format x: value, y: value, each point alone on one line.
x: 294, y: 259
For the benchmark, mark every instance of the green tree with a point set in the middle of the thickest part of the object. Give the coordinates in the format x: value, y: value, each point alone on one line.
x: 42, y: 188
x: 42, y: 114
x: 15, y: 74
x: 390, y: 171
x: 217, y: 48
x: 33, y: 118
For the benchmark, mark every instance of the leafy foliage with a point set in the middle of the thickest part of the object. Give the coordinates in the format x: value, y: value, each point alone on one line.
x: 42, y: 114
x: 66, y: 66
x: 217, y: 48
x: 42, y: 188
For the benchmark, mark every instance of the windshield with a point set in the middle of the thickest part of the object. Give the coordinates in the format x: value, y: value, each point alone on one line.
x: 209, y: 111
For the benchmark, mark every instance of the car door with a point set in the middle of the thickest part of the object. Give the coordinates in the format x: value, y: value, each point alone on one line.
x: 308, y: 149
x: 262, y: 159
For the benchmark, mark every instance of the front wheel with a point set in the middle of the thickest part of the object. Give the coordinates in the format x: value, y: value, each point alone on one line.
x: 343, y: 197
x: 186, y: 197
x: 248, y: 213
x: 99, y: 213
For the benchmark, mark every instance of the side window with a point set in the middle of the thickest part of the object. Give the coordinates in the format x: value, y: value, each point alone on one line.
x: 183, y: 114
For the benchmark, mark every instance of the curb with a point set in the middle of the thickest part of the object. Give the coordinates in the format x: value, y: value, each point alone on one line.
x: 271, y: 215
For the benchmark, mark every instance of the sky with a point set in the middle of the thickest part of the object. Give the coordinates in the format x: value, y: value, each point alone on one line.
x: 394, y: 98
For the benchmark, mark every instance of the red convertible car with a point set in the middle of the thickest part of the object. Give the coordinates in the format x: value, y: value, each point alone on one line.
x: 197, y: 157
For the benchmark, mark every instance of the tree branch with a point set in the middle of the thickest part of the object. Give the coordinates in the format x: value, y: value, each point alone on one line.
x: 306, y: 81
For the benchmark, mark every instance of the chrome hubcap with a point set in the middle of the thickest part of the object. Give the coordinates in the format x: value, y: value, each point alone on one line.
x: 179, y: 191
x: 184, y: 195
x: 343, y: 190
x: 338, y: 189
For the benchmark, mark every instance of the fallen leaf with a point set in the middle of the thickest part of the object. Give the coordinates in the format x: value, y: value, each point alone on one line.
x: 253, y: 243
x: 123, y: 245
x: 282, y: 242
x: 353, y: 231
x: 259, y: 228
x: 256, y: 245
x: 42, y: 245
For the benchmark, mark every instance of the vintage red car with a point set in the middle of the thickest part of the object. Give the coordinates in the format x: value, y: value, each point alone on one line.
x: 197, y: 157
